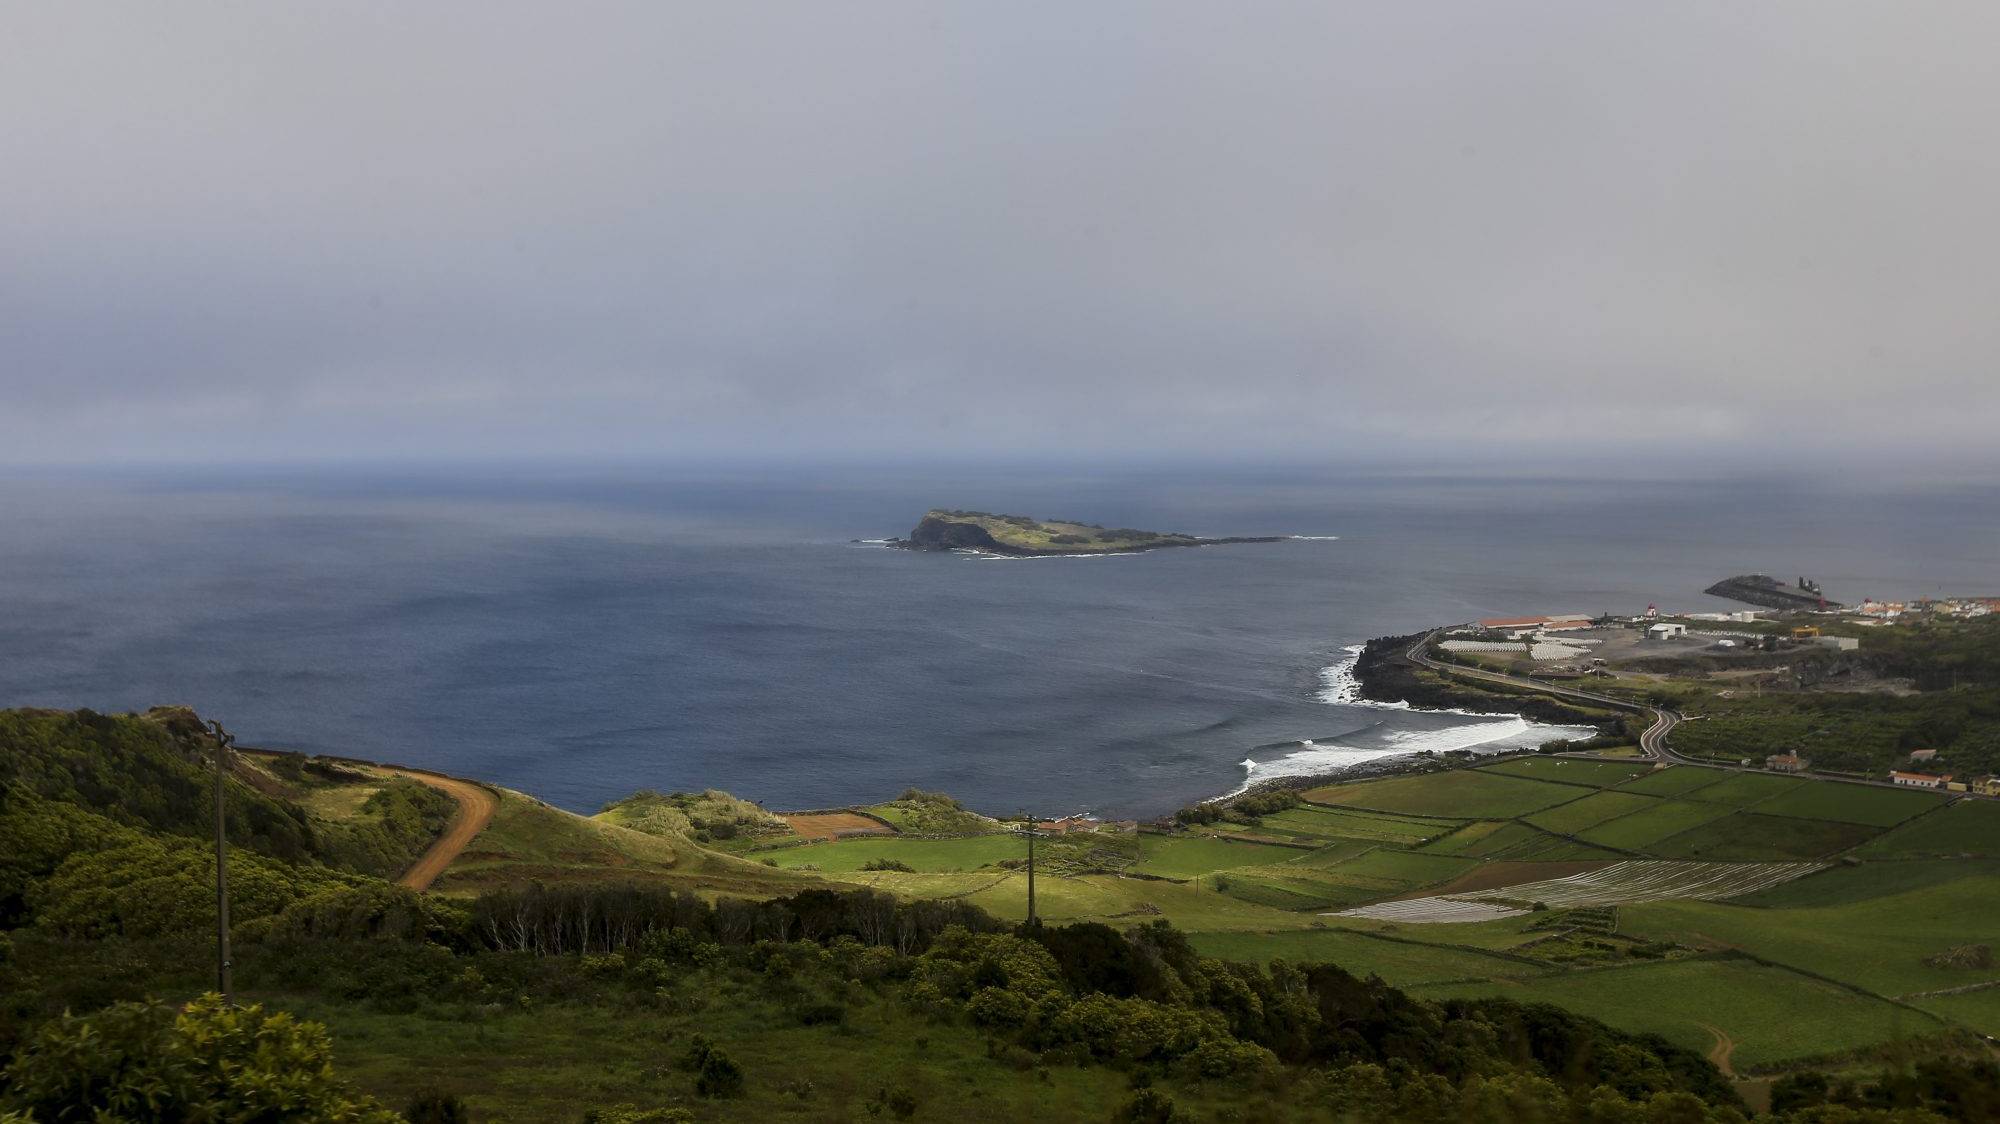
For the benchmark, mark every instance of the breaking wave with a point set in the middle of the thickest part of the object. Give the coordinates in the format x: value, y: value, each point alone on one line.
x: 1340, y: 686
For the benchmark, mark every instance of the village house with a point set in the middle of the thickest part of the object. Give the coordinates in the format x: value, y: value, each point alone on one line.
x: 1786, y: 763
x: 1987, y: 786
x: 1922, y: 754
x: 1920, y: 780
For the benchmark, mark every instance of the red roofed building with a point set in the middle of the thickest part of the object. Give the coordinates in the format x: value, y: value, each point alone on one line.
x: 1514, y: 622
x: 1920, y: 780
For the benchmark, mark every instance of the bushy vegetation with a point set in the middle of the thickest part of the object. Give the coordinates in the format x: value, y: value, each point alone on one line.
x: 152, y: 771
x: 917, y: 812
x: 711, y: 815
x: 1247, y: 808
x: 396, y: 824
x: 205, y: 1062
x: 79, y: 873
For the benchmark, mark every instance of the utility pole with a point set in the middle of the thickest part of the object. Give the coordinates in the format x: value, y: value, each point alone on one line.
x: 1028, y: 828
x: 223, y: 740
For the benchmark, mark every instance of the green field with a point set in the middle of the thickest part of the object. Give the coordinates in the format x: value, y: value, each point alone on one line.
x: 1660, y: 820
x: 1877, y: 942
x: 1675, y: 780
x: 1468, y: 837
x: 1979, y: 1010
x: 844, y: 855
x: 1969, y: 827
x: 1518, y: 841
x: 1744, y: 789
x: 1459, y: 794
x: 1847, y: 884
x: 1336, y: 823
x: 1403, y: 963
x: 1851, y: 803
x: 1184, y: 856
x: 1772, y: 1014
x: 1748, y: 837
x: 1598, y: 774
x: 1578, y: 815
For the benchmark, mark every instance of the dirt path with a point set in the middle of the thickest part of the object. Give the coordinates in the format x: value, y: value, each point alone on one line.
x: 1719, y: 1053
x: 475, y: 810
x: 835, y: 825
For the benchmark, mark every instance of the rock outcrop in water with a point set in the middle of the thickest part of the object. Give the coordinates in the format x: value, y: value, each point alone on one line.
x: 1021, y: 536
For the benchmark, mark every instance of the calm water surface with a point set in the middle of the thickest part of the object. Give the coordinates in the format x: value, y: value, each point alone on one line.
x: 580, y: 635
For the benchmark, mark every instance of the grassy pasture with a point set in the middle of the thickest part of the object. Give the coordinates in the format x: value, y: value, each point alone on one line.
x: 338, y: 802
x: 1465, y: 838
x: 1127, y: 901
x: 1979, y: 1010
x: 1414, y: 868
x: 1747, y: 837
x: 1403, y: 963
x: 528, y: 840
x: 1459, y: 794
x: 1674, y: 780
x: 1334, y: 823
x: 1578, y: 815
x: 1597, y: 774
x: 1659, y: 820
x: 1879, y: 945
x: 1518, y: 841
x: 1184, y: 856
x: 845, y: 855
x: 1850, y: 803
x: 1848, y: 885
x: 1378, y: 873
x: 1969, y: 827
x: 581, y: 1058
x: 1744, y: 789
x: 1773, y: 1015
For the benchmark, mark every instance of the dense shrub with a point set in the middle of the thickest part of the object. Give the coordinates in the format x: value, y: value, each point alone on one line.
x: 204, y: 1062
x: 160, y: 885
x: 716, y: 1074
x: 149, y: 772
x: 435, y: 1106
x: 397, y: 822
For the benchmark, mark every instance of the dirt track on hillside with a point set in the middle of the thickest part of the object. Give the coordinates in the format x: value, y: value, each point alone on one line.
x: 1721, y: 1051
x: 476, y: 806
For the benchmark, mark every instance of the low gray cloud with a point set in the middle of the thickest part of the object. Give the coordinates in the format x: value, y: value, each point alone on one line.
x: 387, y: 230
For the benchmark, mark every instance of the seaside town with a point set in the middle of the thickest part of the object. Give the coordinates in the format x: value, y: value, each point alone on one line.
x: 1796, y: 617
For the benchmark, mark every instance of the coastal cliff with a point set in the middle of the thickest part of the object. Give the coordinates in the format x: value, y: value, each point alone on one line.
x: 1020, y: 536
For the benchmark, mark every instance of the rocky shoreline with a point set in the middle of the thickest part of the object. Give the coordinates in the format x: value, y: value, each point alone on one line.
x: 1385, y: 674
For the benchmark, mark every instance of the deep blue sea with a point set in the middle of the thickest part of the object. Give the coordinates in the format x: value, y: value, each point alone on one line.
x: 582, y: 633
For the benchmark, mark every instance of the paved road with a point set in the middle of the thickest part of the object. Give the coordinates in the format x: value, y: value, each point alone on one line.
x: 476, y: 806
x: 1652, y: 743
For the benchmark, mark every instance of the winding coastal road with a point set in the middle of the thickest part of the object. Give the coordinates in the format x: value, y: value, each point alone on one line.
x: 476, y: 806
x: 1652, y: 743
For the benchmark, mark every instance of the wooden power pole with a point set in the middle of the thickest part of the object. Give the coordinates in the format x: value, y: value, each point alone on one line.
x: 223, y: 740
x: 1028, y: 829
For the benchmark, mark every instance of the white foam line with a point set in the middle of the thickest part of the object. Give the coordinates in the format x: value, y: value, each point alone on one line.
x: 1314, y: 538
x: 985, y: 556
x: 1339, y: 686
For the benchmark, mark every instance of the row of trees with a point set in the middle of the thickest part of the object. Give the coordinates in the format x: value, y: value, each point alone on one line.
x: 595, y: 919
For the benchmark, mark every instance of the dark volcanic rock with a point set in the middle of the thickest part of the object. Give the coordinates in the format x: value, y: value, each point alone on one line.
x: 1386, y: 674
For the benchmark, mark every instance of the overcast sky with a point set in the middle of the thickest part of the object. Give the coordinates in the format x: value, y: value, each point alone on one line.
x: 274, y: 231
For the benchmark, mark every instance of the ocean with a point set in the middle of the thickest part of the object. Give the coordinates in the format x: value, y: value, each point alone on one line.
x: 584, y: 632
